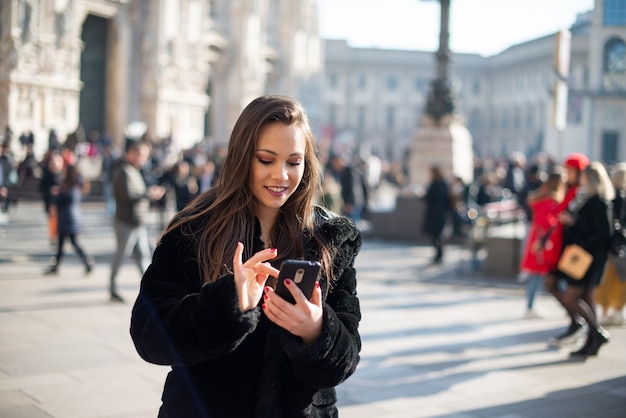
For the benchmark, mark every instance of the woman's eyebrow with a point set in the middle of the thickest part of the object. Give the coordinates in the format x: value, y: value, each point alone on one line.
x: 293, y: 154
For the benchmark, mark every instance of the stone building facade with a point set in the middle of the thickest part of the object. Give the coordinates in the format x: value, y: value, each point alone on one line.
x: 182, y: 68
x: 374, y: 98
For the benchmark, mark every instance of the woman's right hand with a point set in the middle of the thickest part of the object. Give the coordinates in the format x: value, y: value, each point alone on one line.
x: 250, y: 277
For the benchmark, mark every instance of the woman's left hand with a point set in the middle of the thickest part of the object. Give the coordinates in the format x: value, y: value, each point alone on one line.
x: 304, y: 318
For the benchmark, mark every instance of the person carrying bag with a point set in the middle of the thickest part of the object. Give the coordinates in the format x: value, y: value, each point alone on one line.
x: 587, y: 225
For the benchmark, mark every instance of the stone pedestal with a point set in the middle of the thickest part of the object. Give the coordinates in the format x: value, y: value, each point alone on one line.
x: 447, y: 144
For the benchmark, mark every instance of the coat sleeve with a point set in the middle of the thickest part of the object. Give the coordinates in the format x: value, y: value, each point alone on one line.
x: 176, y: 320
x: 335, y: 355
x: 595, y: 226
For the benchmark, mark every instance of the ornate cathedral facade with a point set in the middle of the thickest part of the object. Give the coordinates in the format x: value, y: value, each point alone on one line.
x: 181, y: 68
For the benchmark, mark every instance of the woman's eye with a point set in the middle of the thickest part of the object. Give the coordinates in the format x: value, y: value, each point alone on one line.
x: 264, y: 162
x: 294, y: 163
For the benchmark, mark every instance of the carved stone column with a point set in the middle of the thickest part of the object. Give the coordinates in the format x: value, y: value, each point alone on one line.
x: 117, y: 77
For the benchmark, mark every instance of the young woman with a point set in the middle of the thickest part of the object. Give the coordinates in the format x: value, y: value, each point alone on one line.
x: 587, y: 223
x: 67, y: 199
x: 574, y: 164
x: 207, y: 307
x: 538, y: 257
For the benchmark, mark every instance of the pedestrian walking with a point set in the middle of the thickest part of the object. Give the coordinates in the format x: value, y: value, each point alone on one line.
x: 438, y: 208
x: 132, y: 207
x: 52, y: 168
x: 587, y: 224
x: 8, y: 176
x: 574, y: 164
x: 207, y: 306
x: 67, y: 198
x: 539, y: 256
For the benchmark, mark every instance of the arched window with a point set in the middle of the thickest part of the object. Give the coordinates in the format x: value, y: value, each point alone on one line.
x: 615, y: 56
x: 614, y: 65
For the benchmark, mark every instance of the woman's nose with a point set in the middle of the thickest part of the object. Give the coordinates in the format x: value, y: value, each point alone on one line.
x: 280, y: 172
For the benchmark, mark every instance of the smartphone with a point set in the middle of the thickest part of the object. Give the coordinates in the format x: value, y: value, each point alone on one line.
x: 302, y: 272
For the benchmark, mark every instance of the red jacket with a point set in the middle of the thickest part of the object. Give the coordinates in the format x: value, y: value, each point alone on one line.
x: 545, y: 238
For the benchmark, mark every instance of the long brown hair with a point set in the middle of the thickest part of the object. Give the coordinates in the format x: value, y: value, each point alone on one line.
x: 226, y: 213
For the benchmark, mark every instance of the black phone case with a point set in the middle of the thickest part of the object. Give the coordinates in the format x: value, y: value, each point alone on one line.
x: 302, y: 272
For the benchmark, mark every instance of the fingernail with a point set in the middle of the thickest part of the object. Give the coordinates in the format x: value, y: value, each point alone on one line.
x: 287, y: 282
x: 264, y: 306
x: 317, y: 284
x: 265, y: 296
x: 273, y: 250
x: 267, y: 289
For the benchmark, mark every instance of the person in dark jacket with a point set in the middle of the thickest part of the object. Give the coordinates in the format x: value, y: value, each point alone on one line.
x: 587, y: 223
x: 207, y: 307
x: 52, y: 169
x: 67, y: 198
x: 438, y: 207
x: 132, y: 207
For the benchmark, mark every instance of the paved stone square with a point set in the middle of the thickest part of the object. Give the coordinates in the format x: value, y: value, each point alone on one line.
x: 438, y: 341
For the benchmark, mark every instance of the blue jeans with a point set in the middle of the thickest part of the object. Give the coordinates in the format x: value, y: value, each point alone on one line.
x: 534, y: 284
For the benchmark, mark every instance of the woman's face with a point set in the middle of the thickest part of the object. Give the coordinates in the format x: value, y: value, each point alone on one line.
x: 277, y: 166
x: 571, y: 175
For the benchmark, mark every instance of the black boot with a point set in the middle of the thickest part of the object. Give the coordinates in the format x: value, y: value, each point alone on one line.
x: 595, y: 339
x: 599, y: 336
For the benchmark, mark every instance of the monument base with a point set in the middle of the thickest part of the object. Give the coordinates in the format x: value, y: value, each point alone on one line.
x: 446, y: 143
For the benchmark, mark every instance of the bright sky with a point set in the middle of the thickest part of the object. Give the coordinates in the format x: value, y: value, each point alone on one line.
x: 486, y: 27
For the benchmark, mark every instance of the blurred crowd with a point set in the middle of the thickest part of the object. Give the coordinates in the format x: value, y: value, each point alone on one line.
x: 351, y: 182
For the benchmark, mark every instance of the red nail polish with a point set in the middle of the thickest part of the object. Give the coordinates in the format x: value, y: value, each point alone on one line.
x: 273, y: 250
x: 317, y: 284
x: 264, y: 306
x: 265, y: 296
x: 287, y: 282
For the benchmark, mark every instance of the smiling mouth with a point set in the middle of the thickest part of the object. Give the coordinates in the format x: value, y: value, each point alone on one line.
x: 276, y: 189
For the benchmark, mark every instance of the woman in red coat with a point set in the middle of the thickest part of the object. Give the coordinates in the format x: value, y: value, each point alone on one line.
x: 541, y: 254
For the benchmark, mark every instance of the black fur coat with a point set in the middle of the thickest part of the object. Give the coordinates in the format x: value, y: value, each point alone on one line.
x: 226, y: 363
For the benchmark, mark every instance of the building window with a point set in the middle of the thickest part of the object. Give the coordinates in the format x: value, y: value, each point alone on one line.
x: 475, y: 121
x: 332, y: 80
x: 391, y: 117
x: 476, y: 87
x: 332, y: 115
x: 392, y: 83
x: 362, y: 82
x: 610, y: 141
x: 420, y: 84
x: 614, y: 65
x: 530, y: 118
x: 614, y: 13
x: 361, y: 116
x: 615, y: 56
